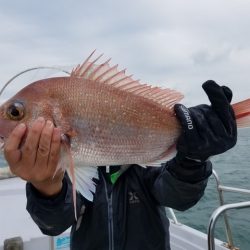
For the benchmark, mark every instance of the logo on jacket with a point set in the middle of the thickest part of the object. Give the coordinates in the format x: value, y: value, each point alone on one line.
x: 133, y: 198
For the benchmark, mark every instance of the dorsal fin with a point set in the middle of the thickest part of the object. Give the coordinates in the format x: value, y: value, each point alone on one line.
x: 106, y: 74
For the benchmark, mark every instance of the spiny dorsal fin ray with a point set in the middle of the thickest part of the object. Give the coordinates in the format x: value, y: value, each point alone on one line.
x: 99, y: 69
x: 106, y: 74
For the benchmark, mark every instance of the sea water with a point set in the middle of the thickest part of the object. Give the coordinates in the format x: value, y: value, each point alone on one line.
x: 233, y: 168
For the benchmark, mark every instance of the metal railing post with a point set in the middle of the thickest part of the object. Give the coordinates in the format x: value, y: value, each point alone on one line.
x: 172, y: 213
x: 215, y: 216
x: 227, y: 225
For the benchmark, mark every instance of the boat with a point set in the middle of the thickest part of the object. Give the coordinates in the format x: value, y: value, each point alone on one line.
x: 19, y: 232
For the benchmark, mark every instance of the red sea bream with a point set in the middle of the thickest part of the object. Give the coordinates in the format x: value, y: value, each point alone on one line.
x: 106, y: 118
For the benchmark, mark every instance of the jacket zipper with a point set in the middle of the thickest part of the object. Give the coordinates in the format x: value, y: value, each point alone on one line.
x: 109, y: 199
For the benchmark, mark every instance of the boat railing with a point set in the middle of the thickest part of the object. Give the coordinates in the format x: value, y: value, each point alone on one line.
x: 214, y: 217
x: 219, y: 211
x: 222, y: 210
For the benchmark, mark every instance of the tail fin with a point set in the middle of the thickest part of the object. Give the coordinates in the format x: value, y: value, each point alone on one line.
x: 242, y: 113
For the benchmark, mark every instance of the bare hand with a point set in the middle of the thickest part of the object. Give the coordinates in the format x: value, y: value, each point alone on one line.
x: 37, y: 159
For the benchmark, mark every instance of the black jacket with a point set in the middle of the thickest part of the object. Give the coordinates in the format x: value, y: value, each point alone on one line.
x: 128, y: 215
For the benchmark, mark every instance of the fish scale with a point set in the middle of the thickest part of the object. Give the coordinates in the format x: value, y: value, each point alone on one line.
x: 113, y: 126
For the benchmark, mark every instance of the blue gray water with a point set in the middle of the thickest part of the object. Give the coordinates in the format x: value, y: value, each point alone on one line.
x: 233, y: 168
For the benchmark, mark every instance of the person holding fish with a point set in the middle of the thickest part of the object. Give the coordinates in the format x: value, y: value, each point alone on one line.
x: 104, y: 154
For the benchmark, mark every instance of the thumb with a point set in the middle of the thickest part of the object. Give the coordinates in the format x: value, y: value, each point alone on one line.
x: 12, y: 151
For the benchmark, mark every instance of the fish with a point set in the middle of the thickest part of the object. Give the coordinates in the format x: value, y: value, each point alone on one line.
x: 105, y: 117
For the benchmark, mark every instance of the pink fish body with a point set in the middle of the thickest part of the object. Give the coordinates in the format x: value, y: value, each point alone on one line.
x: 116, y: 121
x: 107, y: 125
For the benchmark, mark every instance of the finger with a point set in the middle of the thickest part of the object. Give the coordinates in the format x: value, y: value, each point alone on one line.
x: 43, y: 150
x: 30, y: 146
x: 228, y: 93
x: 11, y: 147
x: 54, y: 151
x: 219, y: 101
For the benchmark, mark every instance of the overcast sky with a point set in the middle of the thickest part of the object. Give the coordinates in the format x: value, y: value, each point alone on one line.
x: 177, y: 44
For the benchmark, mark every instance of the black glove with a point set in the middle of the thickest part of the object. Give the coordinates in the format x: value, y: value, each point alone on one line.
x: 207, y: 130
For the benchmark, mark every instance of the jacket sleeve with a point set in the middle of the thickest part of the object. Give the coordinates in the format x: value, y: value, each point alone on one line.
x: 53, y: 215
x: 179, y: 184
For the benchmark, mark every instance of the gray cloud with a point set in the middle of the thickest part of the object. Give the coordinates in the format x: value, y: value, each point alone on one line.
x: 177, y: 44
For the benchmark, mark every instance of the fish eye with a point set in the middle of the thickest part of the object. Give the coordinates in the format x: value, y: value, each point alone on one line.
x: 15, y: 111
